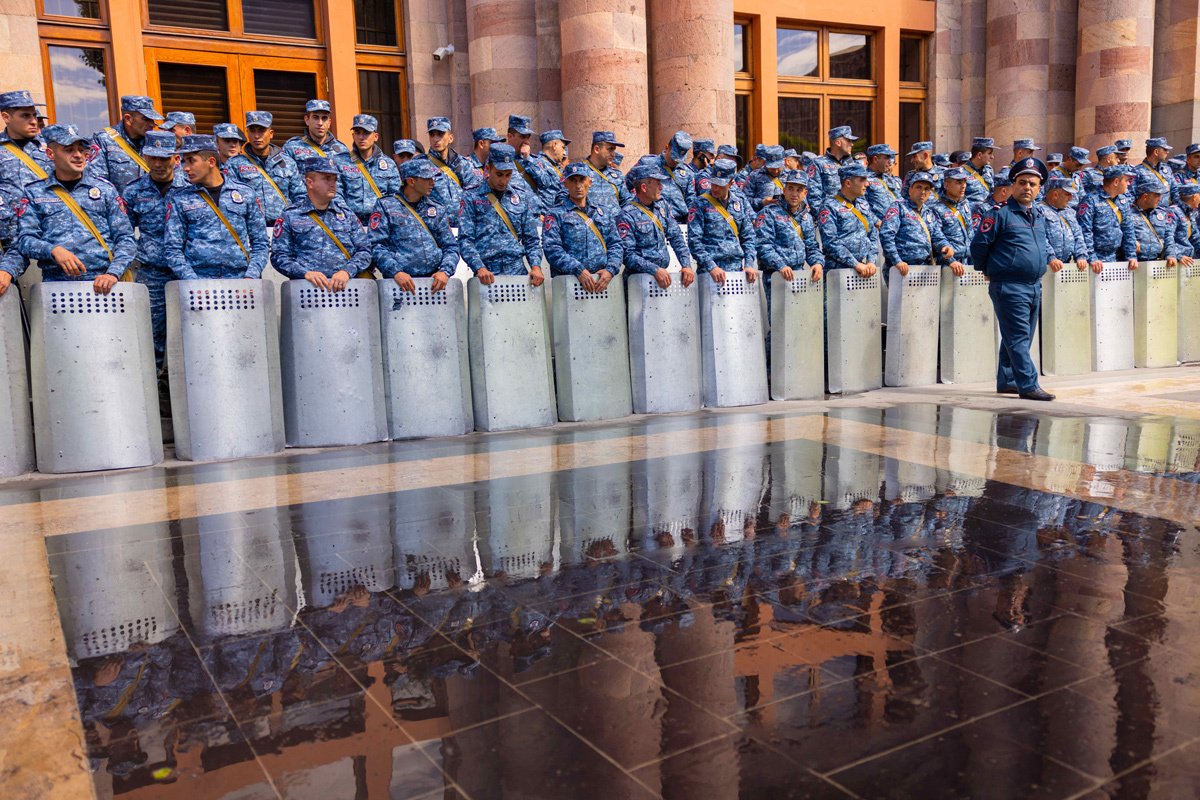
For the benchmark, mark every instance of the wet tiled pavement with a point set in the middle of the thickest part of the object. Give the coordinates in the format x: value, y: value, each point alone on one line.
x: 918, y: 601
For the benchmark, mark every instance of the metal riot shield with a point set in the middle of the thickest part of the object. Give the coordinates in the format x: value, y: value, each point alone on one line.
x: 1155, y: 315
x: 591, y: 351
x: 733, y: 351
x: 797, y: 337
x: 664, y: 345
x: 914, y: 305
x: 1066, y: 322
x: 16, y: 426
x: 967, y: 318
x: 1189, y: 313
x: 1112, y: 318
x: 852, y: 318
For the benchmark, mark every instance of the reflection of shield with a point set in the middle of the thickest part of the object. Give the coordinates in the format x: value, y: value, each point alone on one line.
x: 594, y: 506
x: 343, y: 544
x: 433, y: 534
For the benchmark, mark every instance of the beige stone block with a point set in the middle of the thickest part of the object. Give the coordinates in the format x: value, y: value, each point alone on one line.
x: 513, y: 52
x: 629, y: 32
x: 586, y: 32
x: 1102, y: 35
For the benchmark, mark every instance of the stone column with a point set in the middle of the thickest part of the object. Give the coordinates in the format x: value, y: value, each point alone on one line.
x: 20, y: 55
x: 1060, y: 94
x: 1018, y: 75
x: 691, y: 69
x: 1113, y: 78
x: 604, y: 72
x: 1176, y: 71
x: 502, y: 41
x: 957, y: 69
x: 549, y: 67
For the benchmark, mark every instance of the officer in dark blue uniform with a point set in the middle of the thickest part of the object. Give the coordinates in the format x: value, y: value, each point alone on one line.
x: 1012, y: 248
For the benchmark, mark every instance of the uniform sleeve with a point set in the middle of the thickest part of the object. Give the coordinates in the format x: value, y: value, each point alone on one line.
x: 813, y: 253
x: 699, y: 248
x: 888, y: 232
x: 1170, y: 245
x: 816, y: 188
x: 529, y: 237
x: 360, y: 246
x: 293, y: 185
x: 1085, y: 214
x: 284, y: 257
x: 447, y: 241
x: 985, y: 237
x: 98, y: 165
x: 380, y: 234
x: 1129, y: 238
x: 936, y: 234
x: 466, y: 234
x: 624, y: 198
x: 560, y: 260
x: 615, y: 246
x: 260, y: 245
x: 835, y: 250
x: 1081, y: 250
x: 173, y: 242
x: 32, y: 240
x: 124, y: 243
x: 768, y: 249
x: 749, y: 241
x: 635, y: 262
x: 13, y: 262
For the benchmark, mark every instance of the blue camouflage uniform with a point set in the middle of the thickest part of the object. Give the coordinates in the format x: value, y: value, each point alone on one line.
x: 485, y: 239
x: 359, y: 193
x: 935, y: 170
x: 470, y: 169
x: 109, y: 159
x: 1080, y: 155
x: 763, y: 186
x: 301, y: 147
x: 1183, y: 175
x: 713, y: 241
x: 646, y: 231
x: 571, y: 245
x: 1161, y: 171
x: 786, y: 239
x: 701, y: 180
x: 280, y: 186
x: 146, y: 202
x: 848, y: 238
x: 911, y: 234
x: 448, y: 186
x: 1107, y: 222
x: 1154, y: 230
x: 826, y: 184
x: 413, y: 238
x: 543, y: 174
x: 608, y: 185
x: 302, y: 246
x: 956, y: 217
x: 14, y: 175
x: 678, y: 191
x: 980, y: 181
x: 44, y: 221
x: 198, y: 245
x: 1091, y: 178
x: 882, y: 189
x: 1187, y: 235
x: 1066, y: 237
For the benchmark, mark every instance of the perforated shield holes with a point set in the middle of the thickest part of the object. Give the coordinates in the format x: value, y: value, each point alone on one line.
x: 1071, y: 275
x: 971, y: 278
x: 1161, y: 272
x: 231, y: 299
x: 116, y: 638
x: 676, y: 288
x: 1118, y: 273
x: 320, y: 298
x: 857, y: 282
x: 424, y: 297
x: 922, y: 279
x: 581, y: 294
x: 507, y: 293
x: 86, y: 302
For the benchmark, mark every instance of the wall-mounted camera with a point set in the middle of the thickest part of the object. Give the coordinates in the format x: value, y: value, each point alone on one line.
x: 443, y: 52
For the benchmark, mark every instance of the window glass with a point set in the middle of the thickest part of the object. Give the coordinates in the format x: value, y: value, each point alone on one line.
x: 739, y: 48
x: 741, y: 108
x: 201, y: 90
x: 375, y: 22
x: 910, y: 125
x: 850, y: 56
x: 284, y: 95
x: 910, y: 59
x: 797, y: 53
x: 77, y: 78
x: 292, y: 18
x: 379, y: 96
x: 83, y: 9
x: 799, y: 123
x: 209, y: 15
x: 856, y: 114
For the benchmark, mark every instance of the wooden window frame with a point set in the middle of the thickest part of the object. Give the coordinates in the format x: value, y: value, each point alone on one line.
x: 40, y: 7
x: 379, y: 49
x: 822, y: 76
x: 404, y: 120
x: 237, y: 28
x: 44, y: 44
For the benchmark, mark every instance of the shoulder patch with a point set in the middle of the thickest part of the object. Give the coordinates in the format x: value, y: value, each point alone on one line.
x: 94, y: 193
x: 691, y: 214
x: 373, y: 222
x: 22, y: 206
x: 824, y: 216
x: 278, y: 228
x: 236, y: 197
x: 623, y: 228
x: 891, y: 212
x: 987, y: 223
x: 548, y: 222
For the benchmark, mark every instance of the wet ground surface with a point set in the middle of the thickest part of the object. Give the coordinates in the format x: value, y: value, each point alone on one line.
x: 766, y: 617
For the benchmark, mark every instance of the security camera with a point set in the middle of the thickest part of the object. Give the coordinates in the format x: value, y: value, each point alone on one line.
x: 443, y: 52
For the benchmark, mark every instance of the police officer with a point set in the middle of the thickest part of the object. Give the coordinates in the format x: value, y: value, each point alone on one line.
x: 704, y: 152
x: 520, y: 131
x: 215, y: 227
x: 403, y: 151
x: 1001, y: 191
x: 646, y: 228
x: 980, y: 177
x: 785, y: 235
x: 848, y: 228
x: 1106, y: 220
x: 448, y: 188
x: 146, y: 202
x: 1071, y: 168
x: 610, y: 183
x: 471, y: 169
x: 911, y: 231
x: 920, y: 159
x: 74, y: 224
x: 180, y: 123
x: 883, y: 188
x: 679, y: 191
x: 269, y: 172
x: 1012, y: 248
x: 579, y: 237
x: 229, y: 141
x: 956, y: 213
x: 365, y: 173
x: 1155, y: 166
x: 1066, y: 237
x: 720, y: 228
x: 791, y: 159
x: 1053, y: 161
x: 826, y: 167
x: 1023, y: 149
x: 498, y: 228
x: 1092, y: 178
x: 318, y: 139
x: 764, y: 186
x: 1187, y: 233
x: 410, y: 234
x: 320, y: 239
x: 22, y: 157
x: 544, y: 172
x: 1154, y: 225
x: 1123, y: 147
x: 117, y: 150
x: 1191, y: 169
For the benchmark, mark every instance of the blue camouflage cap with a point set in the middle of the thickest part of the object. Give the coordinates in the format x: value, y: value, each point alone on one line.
x: 227, y: 130
x: 1059, y: 182
x: 649, y: 158
x: 1147, y: 183
x: 1116, y: 171
x: 984, y: 142
x: 263, y: 119
x: 606, y: 137
x: 520, y: 124
x: 1158, y: 141
x: 554, y: 135
x: 1001, y: 179
x: 576, y: 168
x: 681, y: 143
x: 722, y: 172
x: 1192, y: 148
x: 842, y: 132
x: 922, y: 177
x: 1024, y: 144
x: 881, y: 150
x: 486, y: 135
x: 1107, y: 150
x: 730, y: 151
x: 617, y: 158
x: 419, y: 167
x: 64, y: 135
x: 854, y: 170
x: 646, y: 172
x: 760, y: 151
x: 774, y: 157
x: 1186, y: 189
x: 1123, y: 144
x: 941, y: 159
x: 404, y: 146
x: 962, y: 158
x: 19, y: 98
x: 1028, y: 166
x: 316, y: 164
x: 195, y: 143
x: 791, y: 153
x: 438, y: 124
x: 1054, y: 158
x: 501, y: 156
x: 365, y: 122
x: 179, y: 118
x: 316, y: 105
x: 955, y: 174
x: 1080, y: 154
x: 921, y: 147
x: 704, y: 146
x: 794, y: 176
x: 137, y: 103
x: 159, y: 144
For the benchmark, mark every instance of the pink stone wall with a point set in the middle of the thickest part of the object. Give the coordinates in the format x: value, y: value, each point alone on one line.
x: 955, y: 110
x: 1176, y: 71
x: 1018, y: 74
x: 438, y: 88
x: 1113, y: 78
x: 503, y: 58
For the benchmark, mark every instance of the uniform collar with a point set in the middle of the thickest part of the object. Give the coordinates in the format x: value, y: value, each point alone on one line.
x: 304, y: 205
x: 86, y: 180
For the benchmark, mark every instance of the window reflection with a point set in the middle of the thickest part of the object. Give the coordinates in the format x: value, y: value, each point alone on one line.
x: 797, y: 53
x: 742, y: 121
x: 856, y: 114
x: 799, y: 121
x: 850, y: 56
x: 85, y: 9
x: 79, y: 86
x: 910, y: 59
x: 739, y: 48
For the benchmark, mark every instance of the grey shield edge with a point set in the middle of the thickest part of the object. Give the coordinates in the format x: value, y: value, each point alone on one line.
x: 591, y: 351
x: 914, y: 306
x: 426, y: 363
x: 1112, y: 318
x: 1066, y: 322
x: 1189, y: 313
x: 967, y: 318
x: 512, y: 381
x: 1155, y: 315
x: 331, y: 367
x: 16, y: 425
x: 733, y: 348
x: 852, y: 319
x: 95, y: 401
x: 223, y: 361
x: 797, y: 337
x: 664, y: 345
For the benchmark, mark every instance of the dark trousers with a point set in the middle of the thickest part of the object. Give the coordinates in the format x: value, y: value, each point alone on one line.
x: 1017, y: 307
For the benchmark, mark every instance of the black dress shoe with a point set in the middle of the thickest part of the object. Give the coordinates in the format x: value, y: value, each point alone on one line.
x: 1008, y: 390
x: 1037, y: 394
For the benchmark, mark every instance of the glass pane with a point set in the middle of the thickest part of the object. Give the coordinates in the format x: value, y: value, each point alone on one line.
x: 856, y: 114
x: 201, y: 90
x: 910, y: 59
x: 80, y: 88
x: 739, y: 48
x: 209, y: 15
x: 799, y: 123
x: 741, y: 110
x: 87, y: 9
x: 284, y: 95
x: 850, y: 56
x: 910, y: 125
x: 375, y: 22
x: 291, y: 18
x: 797, y: 53
x: 379, y: 96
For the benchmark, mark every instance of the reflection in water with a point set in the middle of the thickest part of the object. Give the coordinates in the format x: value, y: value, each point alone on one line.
x: 711, y: 622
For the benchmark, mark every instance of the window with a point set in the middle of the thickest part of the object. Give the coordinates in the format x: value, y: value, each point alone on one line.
x: 826, y: 79
x: 858, y: 114
x: 912, y: 59
x: 375, y: 22
x: 741, y: 53
x: 912, y: 125
x: 850, y: 56
x: 796, y: 53
x: 800, y: 123
x: 78, y: 92
x: 80, y: 9
x: 199, y: 89
x: 209, y: 15
x: 295, y: 19
x: 284, y: 95
x: 291, y: 18
x: 379, y: 94
x: 741, y: 109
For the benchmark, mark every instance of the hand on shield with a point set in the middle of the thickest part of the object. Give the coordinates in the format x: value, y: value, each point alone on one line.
x: 317, y: 279
x: 440, y: 281
x: 661, y: 277
x: 405, y: 282
x: 718, y: 275
x: 535, y: 276
x: 104, y: 283
x: 788, y: 274
x: 687, y: 276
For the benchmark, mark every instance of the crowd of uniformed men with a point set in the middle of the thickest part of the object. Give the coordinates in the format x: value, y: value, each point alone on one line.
x: 224, y: 205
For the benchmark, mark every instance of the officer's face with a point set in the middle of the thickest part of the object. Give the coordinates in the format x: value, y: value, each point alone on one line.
x: 318, y: 124
x: 162, y: 169
x: 1148, y: 200
x: 498, y: 178
x: 259, y: 138
x: 650, y: 190
x: 577, y: 188
x: 702, y: 160
x: 364, y: 140
x: 322, y: 186
x: 482, y: 148
x: 879, y: 164
x: 954, y: 188
x: 136, y: 124
x: 197, y: 166
x: 1002, y: 193
x: 1122, y: 156
x: 984, y: 157
x: 794, y: 194
x: 1057, y: 198
x: 1022, y: 153
x: 791, y: 162
x: 1193, y: 162
x: 228, y: 148
x: 840, y: 146
x: 919, y: 192
x: 853, y: 188
x: 1156, y: 153
x: 440, y: 141
x: 1025, y: 188
x: 518, y: 140
x: 1191, y: 200
x: 1106, y: 161
x: 422, y: 186
x: 21, y: 123
x: 1120, y: 185
x: 69, y: 160
x: 555, y: 149
x: 400, y: 158
x: 181, y: 131
x: 922, y: 160
x: 604, y: 152
x: 718, y: 191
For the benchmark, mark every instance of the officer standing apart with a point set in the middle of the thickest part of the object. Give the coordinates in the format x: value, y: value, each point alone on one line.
x: 320, y: 238
x: 498, y: 228
x: 1012, y: 248
x: 73, y: 224
x: 646, y: 228
x: 410, y: 234
x: 318, y: 139
x: 579, y: 237
x: 215, y: 227
x: 118, y: 149
x: 848, y: 228
x: 720, y: 228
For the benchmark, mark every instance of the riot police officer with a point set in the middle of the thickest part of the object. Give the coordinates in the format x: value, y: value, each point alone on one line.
x: 410, y: 234
x: 498, y: 229
x: 320, y: 238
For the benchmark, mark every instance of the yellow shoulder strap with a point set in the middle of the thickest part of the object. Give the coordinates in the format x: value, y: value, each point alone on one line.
x: 1115, y: 208
x: 503, y: 215
x: 216, y: 210
x: 81, y: 215
x: 332, y: 236
x: 29, y: 163
x: 129, y: 151
x: 653, y: 218
x: 604, y: 178
x: 721, y: 210
x: 592, y: 227
x: 866, y: 225
x: 366, y: 173
x: 445, y: 168
x: 315, y: 146
x: 267, y: 178
x: 404, y: 202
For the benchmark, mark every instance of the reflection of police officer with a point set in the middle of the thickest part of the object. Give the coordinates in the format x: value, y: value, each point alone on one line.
x: 1012, y: 248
